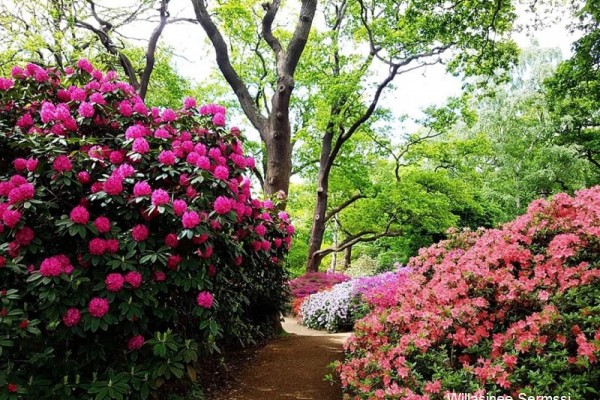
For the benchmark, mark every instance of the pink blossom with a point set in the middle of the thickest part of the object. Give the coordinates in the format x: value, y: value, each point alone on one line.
x: 25, y: 121
x: 189, y: 102
x: 167, y: 157
x: 134, y: 279
x: 222, y: 205
x: 51, y: 267
x: 114, y: 282
x: 162, y: 133
x: 102, y: 224
x: 136, y: 342
x: 135, y: 132
x: 32, y: 164
x: 171, y: 240
x: 260, y: 230
x: 86, y: 110
x: 140, y: 146
x: 6, y: 84
x: 116, y: 157
x: 159, y: 276
x: 205, y: 299
x: 140, y: 233
x: 20, y: 164
x: 173, y: 261
x: 97, y: 246
x: 190, y: 219
x: 168, y: 115
x: 98, y: 307
x: 113, y: 185
x: 85, y: 65
x: 112, y: 246
x: 71, y: 317
x: 140, y: 108
x: 21, y: 193
x: 125, y: 109
x: 141, y: 189
x: 124, y: 171
x: 179, y: 207
x: 160, y: 197
x: 11, y: 218
x: 77, y: 94
x: 83, y: 177
x: 62, y: 163
x: 219, y: 119
x: 221, y: 172
x: 80, y: 215
x: 203, y: 162
x: 24, y: 236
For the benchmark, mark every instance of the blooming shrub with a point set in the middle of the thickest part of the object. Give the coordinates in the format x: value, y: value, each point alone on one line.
x: 337, y: 308
x: 310, y: 283
x: 499, y: 311
x: 130, y: 245
x: 329, y: 309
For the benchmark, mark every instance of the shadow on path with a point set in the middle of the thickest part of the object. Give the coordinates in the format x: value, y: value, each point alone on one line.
x: 291, y: 367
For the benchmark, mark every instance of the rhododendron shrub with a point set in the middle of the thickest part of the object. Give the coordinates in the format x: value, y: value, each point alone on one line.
x: 130, y: 244
x: 500, y: 311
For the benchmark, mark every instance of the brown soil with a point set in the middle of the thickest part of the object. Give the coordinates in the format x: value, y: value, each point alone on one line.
x: 290, y: 367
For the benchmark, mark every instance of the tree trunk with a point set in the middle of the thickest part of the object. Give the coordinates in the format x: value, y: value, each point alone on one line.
x: 278, y: 140
x: 318, y: 226
x: 347, y: 257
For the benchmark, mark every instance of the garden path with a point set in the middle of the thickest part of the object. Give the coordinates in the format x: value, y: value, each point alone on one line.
x: 291, y: 367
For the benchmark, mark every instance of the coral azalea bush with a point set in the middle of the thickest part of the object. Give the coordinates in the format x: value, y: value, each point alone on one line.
x: 506, y: 311
x: 130, y: 245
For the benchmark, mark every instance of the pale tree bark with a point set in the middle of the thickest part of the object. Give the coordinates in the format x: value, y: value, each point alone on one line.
x: 274, y: 128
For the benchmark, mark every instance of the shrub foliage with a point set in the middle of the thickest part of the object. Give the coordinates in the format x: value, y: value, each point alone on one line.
x: 500, y: 311
x: 130, y: 244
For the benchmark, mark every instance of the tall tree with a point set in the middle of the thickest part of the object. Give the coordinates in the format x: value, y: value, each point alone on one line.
x: 274, y: 124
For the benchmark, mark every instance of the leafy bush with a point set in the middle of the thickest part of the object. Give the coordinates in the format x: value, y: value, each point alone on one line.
x: 336, y: 309
x: 362, y: 266
x: 499, y: 311
x: 130, y: 245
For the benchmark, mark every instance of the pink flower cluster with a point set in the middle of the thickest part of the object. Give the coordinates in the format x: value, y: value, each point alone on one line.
x: 55, y: 266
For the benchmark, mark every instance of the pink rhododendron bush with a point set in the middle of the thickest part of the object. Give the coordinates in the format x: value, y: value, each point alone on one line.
x: 130, y: 245
x: 500, y: 311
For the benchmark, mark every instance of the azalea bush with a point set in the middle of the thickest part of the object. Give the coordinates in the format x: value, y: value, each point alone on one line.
x: 131, y: 247
x: 310, y: 283
x: 336, y: 309
x: 500, y: 311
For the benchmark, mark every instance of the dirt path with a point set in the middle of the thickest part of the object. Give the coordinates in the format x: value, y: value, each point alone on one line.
x: 291, y: 367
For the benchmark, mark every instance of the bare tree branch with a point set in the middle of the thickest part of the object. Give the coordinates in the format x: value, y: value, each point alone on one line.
x: 361, y: 237
x: 300, y: 36
x: 230, y: 74
x: 267, y: 26
x: 345, y: 204
x: 112, y: 49
x: 151, y: 50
